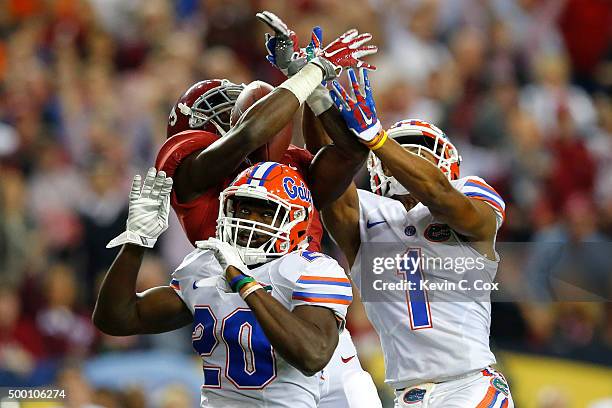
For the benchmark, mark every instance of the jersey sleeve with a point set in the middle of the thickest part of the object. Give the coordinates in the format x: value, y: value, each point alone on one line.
x: 198, y: 217
x: 178, y: 147
x: 315, y: 231
x: 319, y: 281
x: 198, y: 264
x: 476, y: 188
x: 176, y: 285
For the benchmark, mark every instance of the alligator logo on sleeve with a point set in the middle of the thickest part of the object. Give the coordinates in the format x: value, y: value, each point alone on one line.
x: 437, y: 232
x: 500, y: 385
x: 414, y: 395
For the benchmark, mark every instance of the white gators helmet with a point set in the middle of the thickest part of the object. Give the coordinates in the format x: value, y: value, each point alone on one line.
x: 422, y: 136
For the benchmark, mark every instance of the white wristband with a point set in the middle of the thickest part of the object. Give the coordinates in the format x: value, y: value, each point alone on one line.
x: 319, y: 100
x: 304, y: 82
x: 250, y: 290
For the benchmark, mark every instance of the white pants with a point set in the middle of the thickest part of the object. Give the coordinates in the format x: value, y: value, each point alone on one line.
x: 484, y: 389
x: 344, y: 383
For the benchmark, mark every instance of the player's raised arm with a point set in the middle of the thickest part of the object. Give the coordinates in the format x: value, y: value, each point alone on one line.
x: 328, y: 180
x: 340, y: 212
x: 119, y: 310
x: 332, y: 170
x: 470, y: 217
x: 418, y: 174
x: 267, y: 116
x: 340, y: 209
x: 341, y: 218
x: 261, y: 122
x: 331, y: 175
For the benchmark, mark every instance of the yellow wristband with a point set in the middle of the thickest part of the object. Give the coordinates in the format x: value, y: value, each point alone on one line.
x: 378, y: 141
x: 374, y: 140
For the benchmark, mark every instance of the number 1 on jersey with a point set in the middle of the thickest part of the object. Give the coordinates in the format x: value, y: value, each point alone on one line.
x: 416, y: 297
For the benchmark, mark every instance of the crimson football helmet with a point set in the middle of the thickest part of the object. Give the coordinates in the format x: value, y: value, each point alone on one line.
x: 282, y: 187
x: 206, y: 105
x: 421, y: 136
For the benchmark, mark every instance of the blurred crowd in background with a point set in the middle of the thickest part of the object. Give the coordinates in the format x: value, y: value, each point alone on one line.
x: 522, y: 87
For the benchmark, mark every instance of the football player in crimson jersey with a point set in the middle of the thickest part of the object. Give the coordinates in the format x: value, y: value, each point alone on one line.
x: 202, y: 162
x: 200, y: 117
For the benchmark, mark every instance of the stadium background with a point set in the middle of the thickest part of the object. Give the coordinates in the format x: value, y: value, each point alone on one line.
x: 521, y: 86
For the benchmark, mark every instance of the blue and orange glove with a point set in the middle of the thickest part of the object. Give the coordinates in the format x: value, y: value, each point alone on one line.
x: 359, y: 113
x: 313, y: 49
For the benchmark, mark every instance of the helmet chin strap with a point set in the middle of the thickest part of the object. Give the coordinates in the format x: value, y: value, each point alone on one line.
x: 221, y: 131
x: 185, y: 110
x: 252, y: 257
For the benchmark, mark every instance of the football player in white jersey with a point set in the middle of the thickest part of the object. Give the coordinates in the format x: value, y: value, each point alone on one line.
x: 263, y: 330
x: 346, y: 384
x: 436, y: 352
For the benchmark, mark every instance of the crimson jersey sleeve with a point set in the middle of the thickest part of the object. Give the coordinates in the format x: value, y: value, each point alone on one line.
x: 198, y: 217
x: 301, y: 159
x: 179, y: 146
x: 298, y: 158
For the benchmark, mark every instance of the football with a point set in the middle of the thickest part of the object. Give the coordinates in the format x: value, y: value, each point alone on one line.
x: 277, y: 145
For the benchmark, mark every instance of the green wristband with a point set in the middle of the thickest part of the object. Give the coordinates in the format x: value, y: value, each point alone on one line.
x: 243, y: 282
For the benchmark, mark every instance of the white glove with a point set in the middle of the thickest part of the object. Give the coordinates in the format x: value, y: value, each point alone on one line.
x: 148, y: 210
x: 283, y: 46
x: 225, y: 253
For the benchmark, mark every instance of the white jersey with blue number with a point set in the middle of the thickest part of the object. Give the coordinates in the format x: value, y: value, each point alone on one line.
x: 424, y: 340
x: 241, y: 368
